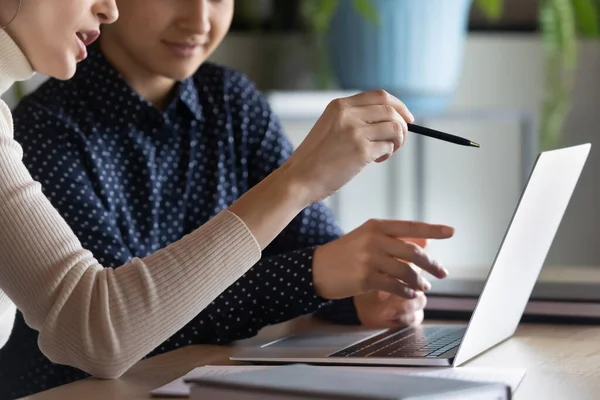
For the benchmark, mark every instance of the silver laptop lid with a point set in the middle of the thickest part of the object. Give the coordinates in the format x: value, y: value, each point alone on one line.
x: 523, y: 251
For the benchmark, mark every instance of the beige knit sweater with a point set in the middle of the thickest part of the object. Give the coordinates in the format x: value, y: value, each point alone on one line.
x: 100, y: 320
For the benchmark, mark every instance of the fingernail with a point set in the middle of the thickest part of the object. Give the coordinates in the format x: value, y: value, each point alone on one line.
x: 426, y: 286
x: 446, y: 271
x: 410, y: 293
x: 446, y: 230
x: 412, y: 117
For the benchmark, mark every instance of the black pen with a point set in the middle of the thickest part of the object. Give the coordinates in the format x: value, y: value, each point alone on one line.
x: 441, y: 135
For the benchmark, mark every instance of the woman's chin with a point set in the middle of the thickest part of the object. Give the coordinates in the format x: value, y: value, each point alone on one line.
x: 68, y: 71
x: 62, y: 70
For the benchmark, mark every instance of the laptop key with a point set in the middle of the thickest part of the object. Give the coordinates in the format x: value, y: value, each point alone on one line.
x: 418, y: 342
x: 420, y: 353
x: 367, y: 346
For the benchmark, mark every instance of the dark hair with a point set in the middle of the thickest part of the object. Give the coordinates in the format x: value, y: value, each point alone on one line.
x: 3, y: 26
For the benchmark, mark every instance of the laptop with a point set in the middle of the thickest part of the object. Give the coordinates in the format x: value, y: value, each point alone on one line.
x: 499, y: 307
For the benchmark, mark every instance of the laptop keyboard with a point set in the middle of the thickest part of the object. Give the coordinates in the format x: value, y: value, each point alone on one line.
x: 424, y: 341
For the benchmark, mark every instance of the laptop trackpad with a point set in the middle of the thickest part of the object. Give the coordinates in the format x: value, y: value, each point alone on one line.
x: 324, y: 340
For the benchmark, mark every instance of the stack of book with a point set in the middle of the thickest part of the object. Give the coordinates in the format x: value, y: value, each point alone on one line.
x: 560, y: 294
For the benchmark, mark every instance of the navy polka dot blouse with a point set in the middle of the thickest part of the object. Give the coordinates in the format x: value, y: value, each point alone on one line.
x: 131, y: 179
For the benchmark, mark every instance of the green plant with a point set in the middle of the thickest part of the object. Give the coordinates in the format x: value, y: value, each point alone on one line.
x: 317, y: 14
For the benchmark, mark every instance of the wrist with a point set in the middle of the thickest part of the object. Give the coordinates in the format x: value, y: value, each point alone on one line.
x: 323, y: 283
x: 292, y: 186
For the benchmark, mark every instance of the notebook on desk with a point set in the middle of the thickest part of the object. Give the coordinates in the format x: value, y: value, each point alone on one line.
x: 496, y: 316
x: 511, y: 377
x: 296, y: 382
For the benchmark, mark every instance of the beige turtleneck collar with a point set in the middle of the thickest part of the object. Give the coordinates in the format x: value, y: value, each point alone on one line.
x: 14, y: 66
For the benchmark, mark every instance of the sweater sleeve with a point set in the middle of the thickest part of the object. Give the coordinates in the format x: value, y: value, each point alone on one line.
x: 103, y: 320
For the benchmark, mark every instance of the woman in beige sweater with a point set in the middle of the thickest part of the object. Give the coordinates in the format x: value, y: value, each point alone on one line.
x: 104, y: 320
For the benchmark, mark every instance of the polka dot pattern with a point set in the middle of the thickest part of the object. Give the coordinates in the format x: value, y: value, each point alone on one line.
x: 131, y: 179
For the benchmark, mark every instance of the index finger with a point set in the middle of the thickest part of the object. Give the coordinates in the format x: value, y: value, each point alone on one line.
x: 380, y: 97
x: 416, y: 230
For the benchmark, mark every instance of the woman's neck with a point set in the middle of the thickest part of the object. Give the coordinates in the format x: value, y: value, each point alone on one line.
x: 154, y: 88
x: 14, y: 66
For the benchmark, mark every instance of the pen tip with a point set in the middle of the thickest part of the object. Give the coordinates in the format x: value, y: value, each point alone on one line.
x: 475, y: 144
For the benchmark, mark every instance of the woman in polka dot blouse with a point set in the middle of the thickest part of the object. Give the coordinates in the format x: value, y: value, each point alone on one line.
x: 179, y: 177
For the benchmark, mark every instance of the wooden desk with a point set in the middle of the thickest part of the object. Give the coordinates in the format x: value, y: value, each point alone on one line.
x: 562, y: 361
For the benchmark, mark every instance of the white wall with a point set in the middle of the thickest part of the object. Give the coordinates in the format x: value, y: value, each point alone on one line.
x: 502, y: 71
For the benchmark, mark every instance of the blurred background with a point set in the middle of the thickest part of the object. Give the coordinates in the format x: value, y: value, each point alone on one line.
x: 517, y: 76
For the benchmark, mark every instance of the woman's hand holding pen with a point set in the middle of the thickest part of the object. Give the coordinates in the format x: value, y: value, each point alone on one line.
x: 352, y: 132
